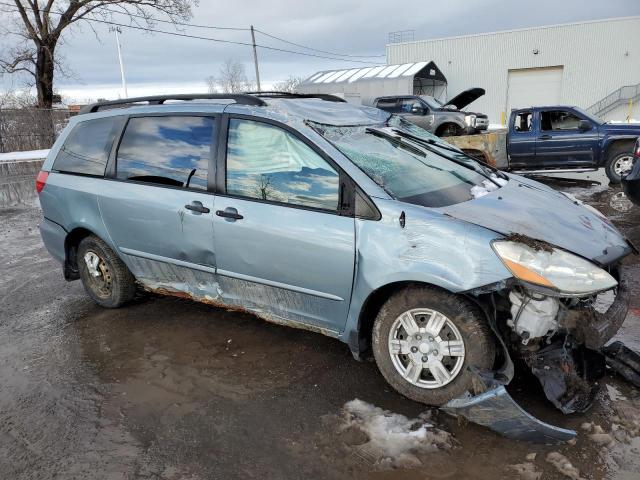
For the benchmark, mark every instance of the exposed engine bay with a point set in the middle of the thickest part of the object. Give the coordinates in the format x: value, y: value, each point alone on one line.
x: 560, y: 338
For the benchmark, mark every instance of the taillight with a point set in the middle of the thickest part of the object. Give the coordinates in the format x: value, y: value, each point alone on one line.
x: 637, y: 152
x: 41, y: 180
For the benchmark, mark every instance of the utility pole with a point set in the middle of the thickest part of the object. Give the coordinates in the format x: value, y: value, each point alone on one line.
x: 124, y: 82
x: 255, y: 57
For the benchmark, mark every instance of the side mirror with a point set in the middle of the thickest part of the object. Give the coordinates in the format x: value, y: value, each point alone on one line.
x: 417, y: 109
x: 584, y: 125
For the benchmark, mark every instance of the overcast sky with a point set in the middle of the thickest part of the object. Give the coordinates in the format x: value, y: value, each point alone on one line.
x: 156, y: 63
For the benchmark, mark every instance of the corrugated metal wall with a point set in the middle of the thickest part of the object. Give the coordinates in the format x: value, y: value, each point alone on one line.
x: 597, y: 58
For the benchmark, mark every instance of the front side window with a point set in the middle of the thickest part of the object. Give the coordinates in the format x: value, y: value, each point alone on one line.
x: 407, y: 105
x: 171, y: 150
x: 522, y: 122
x: 559, y: 120
x: 266, y: 162
x: 86, y: 149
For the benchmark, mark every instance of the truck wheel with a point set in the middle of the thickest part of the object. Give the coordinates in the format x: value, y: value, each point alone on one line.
x: 427, y: 341
x: 620, y: 162
x: 105, y: 277
x: 449, y: 130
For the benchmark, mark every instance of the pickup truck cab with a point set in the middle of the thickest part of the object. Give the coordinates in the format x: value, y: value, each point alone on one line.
x: 443, y: 120
x: 565, y: 137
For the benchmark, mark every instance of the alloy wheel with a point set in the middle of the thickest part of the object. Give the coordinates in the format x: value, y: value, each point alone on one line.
x: 426, y: 348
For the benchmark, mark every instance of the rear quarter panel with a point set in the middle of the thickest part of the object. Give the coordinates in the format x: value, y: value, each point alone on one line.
x: 71, y: 201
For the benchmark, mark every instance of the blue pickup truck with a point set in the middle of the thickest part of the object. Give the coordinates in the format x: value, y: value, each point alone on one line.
x: 556, y: 139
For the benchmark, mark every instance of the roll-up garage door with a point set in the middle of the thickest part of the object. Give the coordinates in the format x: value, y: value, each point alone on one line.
x: 532, y: 87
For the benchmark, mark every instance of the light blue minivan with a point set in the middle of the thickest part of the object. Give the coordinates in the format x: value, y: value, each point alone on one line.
x: 346, y: 220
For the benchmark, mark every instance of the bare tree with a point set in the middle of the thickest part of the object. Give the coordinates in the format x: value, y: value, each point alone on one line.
x: 232, y: 78
x: 40, y: 24
x: 265, y: 188
x: 212, y: 84
x: 289, y: 85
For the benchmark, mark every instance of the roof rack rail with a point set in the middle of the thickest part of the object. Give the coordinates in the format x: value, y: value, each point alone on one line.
x: 323, y: 96
x: 241, y: 98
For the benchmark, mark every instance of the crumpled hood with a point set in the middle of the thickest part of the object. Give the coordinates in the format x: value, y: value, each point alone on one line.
x: 537, y: 211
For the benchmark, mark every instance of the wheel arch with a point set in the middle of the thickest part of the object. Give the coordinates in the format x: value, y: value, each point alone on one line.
x: 371, y: 306
x: 445, y: 124
x: 613, y: 144
x: 71, y: 242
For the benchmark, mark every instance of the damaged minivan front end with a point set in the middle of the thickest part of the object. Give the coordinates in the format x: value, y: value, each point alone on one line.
x: 558, y: 313
x: 564, y: 293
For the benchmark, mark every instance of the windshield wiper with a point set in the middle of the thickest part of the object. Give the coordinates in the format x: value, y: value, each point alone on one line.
x: 425, y: 144
x: 428, y: 141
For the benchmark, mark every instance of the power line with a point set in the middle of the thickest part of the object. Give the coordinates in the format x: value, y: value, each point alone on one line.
x: 184, y: 24
x: 315, y: 49
x: 198, y: 37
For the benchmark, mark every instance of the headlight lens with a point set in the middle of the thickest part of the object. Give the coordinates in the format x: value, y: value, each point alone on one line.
x: 555, y: 269
x: 470, y: 120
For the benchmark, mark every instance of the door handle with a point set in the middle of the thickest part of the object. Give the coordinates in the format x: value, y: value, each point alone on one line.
x: 229, y: 213
x: 544, y: 137
x: 197, y: 207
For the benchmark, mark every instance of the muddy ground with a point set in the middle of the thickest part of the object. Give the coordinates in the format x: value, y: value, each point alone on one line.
x: 170, y: 389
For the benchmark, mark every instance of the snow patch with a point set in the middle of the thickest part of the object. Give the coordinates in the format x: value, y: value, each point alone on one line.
x: 563, y: 465
x: 394, y: 439
x: 487, y: 186
x: 28, y: 155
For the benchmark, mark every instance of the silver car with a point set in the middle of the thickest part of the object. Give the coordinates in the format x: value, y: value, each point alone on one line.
x: 344, y: 220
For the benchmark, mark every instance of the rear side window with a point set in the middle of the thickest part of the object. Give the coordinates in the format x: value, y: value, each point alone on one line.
x: 388, y: 104
x: 171, y: 150
x: 522, y: 122
x: 87, y: 147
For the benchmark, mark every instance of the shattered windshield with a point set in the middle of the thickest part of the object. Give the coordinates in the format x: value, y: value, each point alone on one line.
x: 394, y: 157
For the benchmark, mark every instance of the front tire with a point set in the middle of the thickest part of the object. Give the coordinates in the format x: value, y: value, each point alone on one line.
x: 449, y: 130
x: 426, y: 343
x: 620, y: 163
x: 104, y: 276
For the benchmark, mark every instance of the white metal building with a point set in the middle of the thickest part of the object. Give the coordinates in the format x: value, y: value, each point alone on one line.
x: 583, y: 64
x: 363, y: 84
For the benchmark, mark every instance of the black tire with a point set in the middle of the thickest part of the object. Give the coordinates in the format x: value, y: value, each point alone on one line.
x: 449, y: 130
x: 115, y: 285
x: 617, y: 152
x: 472, y: 326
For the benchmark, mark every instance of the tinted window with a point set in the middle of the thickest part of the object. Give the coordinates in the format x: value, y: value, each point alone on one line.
x: 522, y: 122
x: 87, y: 147
x: 269, y: 163
x: 559, y: 120
x: 388, y: 104
x: 166, y: 150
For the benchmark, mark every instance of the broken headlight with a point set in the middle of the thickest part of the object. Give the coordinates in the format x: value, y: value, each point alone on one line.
x: 553, y: 269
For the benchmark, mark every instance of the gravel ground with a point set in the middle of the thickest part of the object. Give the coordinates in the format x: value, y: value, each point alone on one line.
x: 171, y: 389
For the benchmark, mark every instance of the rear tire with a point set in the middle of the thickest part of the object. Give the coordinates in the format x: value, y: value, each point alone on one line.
x: 620, y: 162
x: 452, y: 337
x: 104, y: 276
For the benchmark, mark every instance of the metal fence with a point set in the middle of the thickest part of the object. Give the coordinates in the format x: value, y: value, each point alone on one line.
x: 30, y: 128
